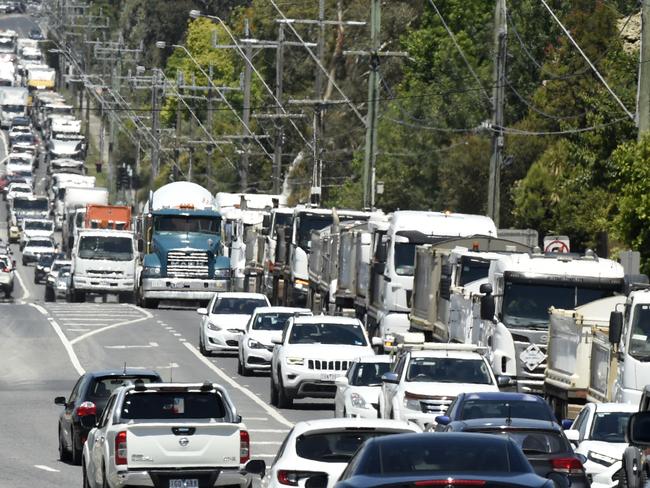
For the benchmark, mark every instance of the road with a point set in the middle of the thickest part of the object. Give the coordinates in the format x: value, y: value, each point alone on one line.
x: 44, y: 347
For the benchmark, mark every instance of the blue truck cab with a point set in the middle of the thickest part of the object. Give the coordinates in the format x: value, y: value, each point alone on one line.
x: 179, y: 236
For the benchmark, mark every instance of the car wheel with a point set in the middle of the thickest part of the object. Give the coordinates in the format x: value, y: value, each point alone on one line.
x: 202, y: 348
x: 274, y: 392
x: 35, y: 279
x: 64, y: 454
x: 75, y: 453
x: 24, y: 262
x: 104, y: 478
x: 49, y: 294
x: 8, y: 292
x: 284, y: 400
x: 84, y: 474
x: 242, y: 369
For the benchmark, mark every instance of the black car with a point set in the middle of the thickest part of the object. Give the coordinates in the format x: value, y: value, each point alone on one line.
x: 439, y: 459
x: 43, y: 266
x: 89, y: 397
x: 543, y: 443
x: 36, y: 34
x: 467, y: 406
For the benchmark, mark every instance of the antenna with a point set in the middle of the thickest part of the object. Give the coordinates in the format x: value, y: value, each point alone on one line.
x: 124, y: 367
x: 509, y: 419
x: 171, y: 372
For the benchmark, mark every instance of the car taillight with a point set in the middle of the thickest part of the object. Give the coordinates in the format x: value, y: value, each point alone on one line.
x: 567, y: 465
x: 244, y: 447
x: 5, y: 270
x: 120, y: 448
x: 291, y: 478
x: 450, y: 482
x: 86, y: 408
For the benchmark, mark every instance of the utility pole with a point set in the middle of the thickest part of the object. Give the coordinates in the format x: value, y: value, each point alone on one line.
x: 370, y: 156
x: 155, y: 128
x: 643, y: 107
x: 246, y: 115
x: 279, y: 127
x: 210, y: 123
x: 498, y: 105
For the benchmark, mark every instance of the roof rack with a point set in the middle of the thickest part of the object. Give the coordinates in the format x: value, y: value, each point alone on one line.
x: 415, y: 341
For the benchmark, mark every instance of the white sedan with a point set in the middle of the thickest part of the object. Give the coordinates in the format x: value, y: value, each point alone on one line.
x: 325, y: 446
x: 256, y: 344
x: 224, y: 320
x: 18, y: 189
x: 599, y: 432
x: 357, y: 393
x: 35, y: 247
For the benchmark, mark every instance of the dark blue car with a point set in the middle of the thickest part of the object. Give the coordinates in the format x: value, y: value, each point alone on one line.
x: 440, y: 459
x: 467, y: 406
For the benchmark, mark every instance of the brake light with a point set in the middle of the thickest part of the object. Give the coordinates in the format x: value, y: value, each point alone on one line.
x: 450, y: 482
x: 567, y: 465
x: 120, y: 448
x: 5, y: 270
x: 291, y: 478
x: 86, y: 408
x: 244, y: 447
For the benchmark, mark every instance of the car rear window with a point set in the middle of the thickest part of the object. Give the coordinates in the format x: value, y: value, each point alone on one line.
x: 237, y: 306
x: 103, y: 387
x: 173, y: 405
x: 516, y: 409
x: 334, y: 447
x: 538, y: 442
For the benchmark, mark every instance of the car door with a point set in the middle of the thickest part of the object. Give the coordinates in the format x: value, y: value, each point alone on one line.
x: 205, y: 319
x: 278, y: 351
x: 343, y: 390
x: 388, y: 390
x: 67, y: 415
x: 97, y: 442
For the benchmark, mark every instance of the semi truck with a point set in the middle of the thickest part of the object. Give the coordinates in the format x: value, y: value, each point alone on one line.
x: 179, y: 234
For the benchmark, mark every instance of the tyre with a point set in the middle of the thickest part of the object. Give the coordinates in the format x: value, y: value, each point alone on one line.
x: 125, y: 297
x: 49, y: 294
x: 8, y: 292
x: 149, y: 303
x: 274, y: 392
x: 79, y: 296
x: 86, y: 483
x: 64, y: 454
x: 23, y: 260
x: 242, y: 369
x: 35, y: 278
x: 202, y: 348
x: 75, y: 453
x: 284, y: 399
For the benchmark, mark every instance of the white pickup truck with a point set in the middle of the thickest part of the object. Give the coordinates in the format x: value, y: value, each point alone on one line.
x: 168, y: 435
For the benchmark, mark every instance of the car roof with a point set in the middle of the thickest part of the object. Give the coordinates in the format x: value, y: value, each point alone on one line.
x: 615, y: 407
x: 505, y: 396
x: 122, y: 372
x: 259, y: 310
x: 380, y: 358
x: 443, y: 353
x: 350, y: 423
x: 511, y: 424
x: 326, y: 319
x: 442, y: 437
x: 233, y: 294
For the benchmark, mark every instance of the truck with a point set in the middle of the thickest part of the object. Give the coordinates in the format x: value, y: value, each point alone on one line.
x: 40, y: 77
x: 13, y: 103
x: 115, y: 217
x: 74, y: 202
x: 513, y: 306
x: 7, y: 74
x: 571, y: 339
x: 28, y: 207
x: 57, y: 186
x: 179, y: 232
x: 171, y: 435
x: 621, y: 359
x: 104, y: 262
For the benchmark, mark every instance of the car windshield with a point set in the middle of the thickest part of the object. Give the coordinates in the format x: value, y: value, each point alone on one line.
x: 56, y: 266
x: 536, y: 442
x: 45, y: 260
x: 334, y: 447
x: 20, y: 189
x: 518, y: 409
x: 173, y: 406
x: 404, y: 258
x: 237, y: 306
x: 610, y: 426
x: 472, y: 269
x: 308, y: 222
x: 448, y: 370
x: 40, y: 243
x: 105, y: 247
x: 527, y: 304
x: 369, y: 374
x: 271, y: 321
x: 640, y: 337
x: 23, y: 204
x: 35, y: 225
x: 343, y: 334
x: 181, y: 223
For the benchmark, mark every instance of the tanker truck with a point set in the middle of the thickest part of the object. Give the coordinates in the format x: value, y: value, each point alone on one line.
x: 179, y: 236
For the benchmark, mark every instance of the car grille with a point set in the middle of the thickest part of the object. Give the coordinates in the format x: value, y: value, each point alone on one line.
x: 187, y: 264
x: 436, y: 405
x: 323, y: 364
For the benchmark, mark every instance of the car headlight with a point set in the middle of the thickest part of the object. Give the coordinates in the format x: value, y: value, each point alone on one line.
x: 222, y: 273
x: 358, y: 401
x: 212, y: 326
x: 295, y: 361
x: 601, y: 458
x: 151, y: 271
x: 253, y: 344
x: 46, y: 270
x: 412, y: 404
x: 50, y: 279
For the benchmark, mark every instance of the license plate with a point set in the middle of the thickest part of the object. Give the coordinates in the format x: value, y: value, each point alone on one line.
x: 191, y: 483
x: 328, y: 376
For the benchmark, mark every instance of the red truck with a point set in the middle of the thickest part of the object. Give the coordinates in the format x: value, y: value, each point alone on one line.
x: 116, y: 217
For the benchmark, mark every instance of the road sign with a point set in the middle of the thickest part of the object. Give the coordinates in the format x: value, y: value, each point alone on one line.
x: 560, y: 244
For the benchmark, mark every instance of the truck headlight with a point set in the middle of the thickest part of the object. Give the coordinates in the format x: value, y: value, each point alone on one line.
x: 295, y: 361
x: 253, y: 344
x: 151, y: 271
x: 601, y: 458
x: 222, y: 273
x: 212, y: 326
x: 357, y: 401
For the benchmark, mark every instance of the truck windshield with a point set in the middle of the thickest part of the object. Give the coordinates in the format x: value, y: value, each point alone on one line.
x: 39, y: 205
x: 308, y: 222
x: 185, y: 223
x: 527, y: 304
x: 173, y: 406
x: 448, y: 370
x: 14, y: 109
x: 610, y: 426
x: 343, y: 334
x: 104, y: 247
x: 640, y: 337
x: 404, y: 258
x: 472, y: 269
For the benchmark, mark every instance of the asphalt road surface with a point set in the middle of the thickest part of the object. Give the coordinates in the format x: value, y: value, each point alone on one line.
x: 44, y: 347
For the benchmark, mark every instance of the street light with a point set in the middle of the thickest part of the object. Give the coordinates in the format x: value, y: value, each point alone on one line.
x: 161, y: 44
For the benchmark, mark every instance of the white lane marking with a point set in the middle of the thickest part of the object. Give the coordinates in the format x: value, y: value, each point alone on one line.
x: 77, y: 330
x: 268, y: 431
x: 271, y: 456
x: 64, y: 340
x: 46, y: 468
x: 270, y: 410
x: 80, y: 319
x: 147, y: 346
x: 266, y: 443
x: 257, y: 418
x: 177, y: 334
x: 26, y: 293
x: 147, y: 316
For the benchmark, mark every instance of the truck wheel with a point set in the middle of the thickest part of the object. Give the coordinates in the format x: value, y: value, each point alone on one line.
x: 49, y: 294
x: 274, y: 392
x: 125, y: 297
x: 284, y: 399
x: 149, y: 303
x: 79, y: 296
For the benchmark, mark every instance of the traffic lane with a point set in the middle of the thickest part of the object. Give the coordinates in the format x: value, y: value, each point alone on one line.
x: 22, y: 24
x: 34, y: 370
x: 187, y: 323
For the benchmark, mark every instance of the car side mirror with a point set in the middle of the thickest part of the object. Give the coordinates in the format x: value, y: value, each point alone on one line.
x: 341, y: 381
x: 316, y: 481
x: 443, y: 420
x: 277, y: 341
x: 572, y: 435
x: 60, y: 401
x: 504, y: 381
x: 377, y: 342
x: 202, y: 311
x: 256, y: 467
x: 390, y: 378
x: 638, y: 429
x: 567, y: 424
x: 88, y: 421
x: 615, y: 327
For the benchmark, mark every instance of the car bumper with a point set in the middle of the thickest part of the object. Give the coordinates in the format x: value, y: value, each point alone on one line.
x: 361, y: 413
x: 601, y: 476
x: 92, y: 284
x: 301, y: 384
x: 182, y: 289
x: 161, y: 477
x: 222, y: 340
x: 257, y: 358
x: 426, y: 421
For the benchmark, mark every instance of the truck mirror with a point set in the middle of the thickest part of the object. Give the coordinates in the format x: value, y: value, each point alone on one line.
x: 615, y: 327
x: 487, y: 307
x: 638, y: 429
x: 380, y: 268
x: 266, y: 222
x: 485, y: 289
x: 140, y: 245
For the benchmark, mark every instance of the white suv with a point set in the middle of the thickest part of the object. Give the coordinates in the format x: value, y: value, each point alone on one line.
x: 312, y: 353
x: 427, y: 377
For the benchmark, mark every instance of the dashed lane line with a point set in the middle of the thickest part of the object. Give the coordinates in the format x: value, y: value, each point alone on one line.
x: 82, y: 337
x: 26, y: 293
x: 46, y: 468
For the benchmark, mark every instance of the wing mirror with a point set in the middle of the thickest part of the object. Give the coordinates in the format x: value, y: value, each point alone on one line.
x: 341, y: 381
x: 202, y: 311
x: 377, y: 342
x: 505, y: 381
x: 488, y: 307
x: 60, y: 401
x: 443, y: 420
x: 140, y: 245
x: 566, y: 424
x: 277, y: 341
x: 572, y: 435
x: 390, y: 378
x: 638, y: 429
x: 615, y: 327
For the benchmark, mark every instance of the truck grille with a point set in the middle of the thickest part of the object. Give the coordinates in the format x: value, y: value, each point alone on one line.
x: 187, y: 264
x: 328, y: 365
x: 436, y: 405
